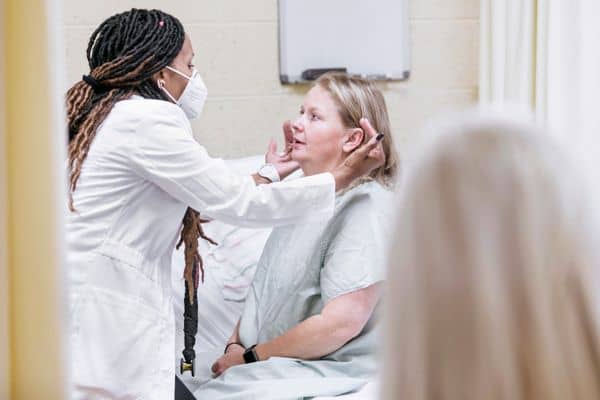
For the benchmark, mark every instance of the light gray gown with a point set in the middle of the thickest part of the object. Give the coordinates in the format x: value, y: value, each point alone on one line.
x: 302, y: 268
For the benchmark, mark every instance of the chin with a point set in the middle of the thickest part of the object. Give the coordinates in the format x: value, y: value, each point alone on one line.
x: 299, y: 156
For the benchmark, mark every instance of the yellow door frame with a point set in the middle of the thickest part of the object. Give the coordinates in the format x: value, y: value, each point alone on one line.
x: 4, y: 305
x: 32, y: 194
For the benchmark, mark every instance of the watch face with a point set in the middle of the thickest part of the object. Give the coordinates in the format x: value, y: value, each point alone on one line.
x: 250, y: 355
x: 270, y: 172
x: 268, y: 169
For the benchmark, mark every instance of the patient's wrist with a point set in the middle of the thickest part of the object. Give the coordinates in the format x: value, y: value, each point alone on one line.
x: 231, y: 344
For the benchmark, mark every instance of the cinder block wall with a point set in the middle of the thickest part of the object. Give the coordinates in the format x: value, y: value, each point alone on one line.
x: 236, y: 52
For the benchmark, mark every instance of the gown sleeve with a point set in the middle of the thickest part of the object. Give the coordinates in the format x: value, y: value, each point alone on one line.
x: 356, y: 254
x: 165, y: 153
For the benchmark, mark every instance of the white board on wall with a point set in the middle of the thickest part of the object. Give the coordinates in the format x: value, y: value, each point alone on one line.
x: 364, y: 37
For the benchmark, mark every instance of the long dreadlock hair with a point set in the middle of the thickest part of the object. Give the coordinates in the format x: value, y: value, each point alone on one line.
x: 123, y: 54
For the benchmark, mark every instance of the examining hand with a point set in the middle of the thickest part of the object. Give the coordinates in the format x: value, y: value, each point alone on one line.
x: 282, y: 161
x: 234, y: 356
x: 363, y: 160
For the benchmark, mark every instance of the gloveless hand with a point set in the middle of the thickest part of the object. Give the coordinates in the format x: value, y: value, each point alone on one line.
x: 363, y: 160
x: 283, y: 161
x: 234, y: 356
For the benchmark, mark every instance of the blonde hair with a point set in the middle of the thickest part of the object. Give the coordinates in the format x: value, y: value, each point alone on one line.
x: 489, y: 293
x: 356, y: 98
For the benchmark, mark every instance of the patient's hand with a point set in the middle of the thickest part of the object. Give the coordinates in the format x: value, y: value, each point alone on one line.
x: 283, y: 161
x: 234, y: 356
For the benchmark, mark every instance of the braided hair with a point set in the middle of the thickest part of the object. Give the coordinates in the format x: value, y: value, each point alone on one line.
x: 123, y: 54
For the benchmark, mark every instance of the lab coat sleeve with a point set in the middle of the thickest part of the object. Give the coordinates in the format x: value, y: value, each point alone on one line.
x: 165, y: 153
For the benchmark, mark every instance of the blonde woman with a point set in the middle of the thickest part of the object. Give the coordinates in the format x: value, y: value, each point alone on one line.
x: 491, y: 274
x: 308, y: 324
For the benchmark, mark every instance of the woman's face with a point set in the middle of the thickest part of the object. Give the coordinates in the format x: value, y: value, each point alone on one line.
x: 175, y: 83
x: 319, y: 134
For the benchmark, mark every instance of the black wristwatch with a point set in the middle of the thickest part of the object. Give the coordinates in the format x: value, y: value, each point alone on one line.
x: 250, y: 355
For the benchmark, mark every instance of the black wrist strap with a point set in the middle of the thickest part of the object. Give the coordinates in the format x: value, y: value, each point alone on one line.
x: 229, y: 344
x: 250, y: 355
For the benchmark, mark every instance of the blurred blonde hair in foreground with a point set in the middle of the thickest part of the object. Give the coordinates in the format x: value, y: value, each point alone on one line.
x: 490, y: 293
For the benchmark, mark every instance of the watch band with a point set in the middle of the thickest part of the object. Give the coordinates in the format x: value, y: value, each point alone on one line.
x: 250, y: 355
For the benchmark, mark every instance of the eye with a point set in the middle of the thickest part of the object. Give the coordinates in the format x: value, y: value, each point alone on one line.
x: 314, y: 117
x: 301, y: 111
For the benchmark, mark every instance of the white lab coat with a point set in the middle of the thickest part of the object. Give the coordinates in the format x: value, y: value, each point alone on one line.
x: 142, y: 171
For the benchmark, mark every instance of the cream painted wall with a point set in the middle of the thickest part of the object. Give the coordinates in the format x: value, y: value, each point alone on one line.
x: 237, y: 54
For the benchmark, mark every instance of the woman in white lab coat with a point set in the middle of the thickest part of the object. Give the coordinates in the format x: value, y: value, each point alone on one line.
x: 134, y: 171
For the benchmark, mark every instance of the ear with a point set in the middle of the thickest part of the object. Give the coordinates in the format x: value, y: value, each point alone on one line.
x: 159, y: 77
x: 353, y: 140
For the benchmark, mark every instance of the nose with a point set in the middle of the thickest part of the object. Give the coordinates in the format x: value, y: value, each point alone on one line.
x: 297, y: 125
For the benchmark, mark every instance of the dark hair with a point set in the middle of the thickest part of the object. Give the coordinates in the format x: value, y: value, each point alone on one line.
x: 123, y: 54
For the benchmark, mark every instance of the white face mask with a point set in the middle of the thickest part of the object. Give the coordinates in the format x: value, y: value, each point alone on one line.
x: 194, y: 95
